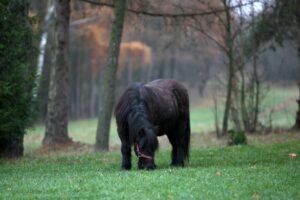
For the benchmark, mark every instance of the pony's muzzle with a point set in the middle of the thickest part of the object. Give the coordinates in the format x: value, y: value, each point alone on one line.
x: 146, y: 164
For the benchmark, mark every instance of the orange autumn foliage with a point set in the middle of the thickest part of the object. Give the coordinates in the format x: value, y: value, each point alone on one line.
x: 134, y: 54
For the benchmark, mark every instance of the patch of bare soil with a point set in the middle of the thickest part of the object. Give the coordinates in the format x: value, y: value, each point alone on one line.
x: 73, y: 148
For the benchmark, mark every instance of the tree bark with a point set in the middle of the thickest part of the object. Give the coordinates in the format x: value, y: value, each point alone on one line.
x: 57, y: 116
x: 43, y: 41
x: 102, y: 137
x: 229, y: 53
x: 297, y: 120
x: 257, y: 95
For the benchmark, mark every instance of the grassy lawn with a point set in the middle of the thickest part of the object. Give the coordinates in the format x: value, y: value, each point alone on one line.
x: 255, y: 171
x: 242, y: 172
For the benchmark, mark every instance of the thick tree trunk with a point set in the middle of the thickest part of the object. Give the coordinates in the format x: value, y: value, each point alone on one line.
x: 102, y: 137
x: 57, y: 116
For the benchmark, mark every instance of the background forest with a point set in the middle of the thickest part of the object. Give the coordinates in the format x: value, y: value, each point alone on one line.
x: 158, y: 47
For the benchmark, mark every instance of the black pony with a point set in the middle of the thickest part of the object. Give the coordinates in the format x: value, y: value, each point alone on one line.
x: 150, y: 110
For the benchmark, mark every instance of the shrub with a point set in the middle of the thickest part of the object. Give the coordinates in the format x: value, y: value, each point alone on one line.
x: 237, y: 137
x: 17, y: 77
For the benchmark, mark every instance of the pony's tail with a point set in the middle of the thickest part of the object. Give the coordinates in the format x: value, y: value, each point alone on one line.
x: 187, y: 137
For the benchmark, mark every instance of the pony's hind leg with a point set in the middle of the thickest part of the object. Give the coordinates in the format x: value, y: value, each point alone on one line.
x: 179, y: 160
x: 177, y: 140
x: 177, y: 152
x: 126, y: 155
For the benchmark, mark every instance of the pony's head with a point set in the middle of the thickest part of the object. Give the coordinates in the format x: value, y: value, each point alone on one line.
x: 145, y: 145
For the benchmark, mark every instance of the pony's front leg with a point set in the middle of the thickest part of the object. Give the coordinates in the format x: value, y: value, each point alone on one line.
x: 126, y: 155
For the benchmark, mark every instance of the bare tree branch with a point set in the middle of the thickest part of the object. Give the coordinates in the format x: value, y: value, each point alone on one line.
x: 169, y: 15
x: 199, y: 28
x: 79, y: 22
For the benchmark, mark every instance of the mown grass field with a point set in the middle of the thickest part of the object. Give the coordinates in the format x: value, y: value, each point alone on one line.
x: 261, y: 170
x: 241, y: 172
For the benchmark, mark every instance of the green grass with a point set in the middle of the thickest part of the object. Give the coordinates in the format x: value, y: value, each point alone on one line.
x: 242, y: 172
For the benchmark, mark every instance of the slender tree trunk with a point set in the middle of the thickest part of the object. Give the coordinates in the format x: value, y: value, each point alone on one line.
x: 243, y: 101
x: 42, y: 78
x: 256, y: 93
x: 90, y: 91
x: 216, y: 116
x: 172, y: 63
x: 229, y: 45
x: 43, y: 41
x: 57, y: 118
x: 102, y: 137
x: 99, y: 93
x: 297, y: 120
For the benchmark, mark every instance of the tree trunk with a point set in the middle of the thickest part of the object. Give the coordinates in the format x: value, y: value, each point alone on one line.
x: 229, y: 53
x: 57, y: 118
x: 42, y: 78
x: 43, y: 41
x: 90, y: 90
x: 102, y: 137
x: 297, y: 121
x: 244, y: 112
x: 256, y: 93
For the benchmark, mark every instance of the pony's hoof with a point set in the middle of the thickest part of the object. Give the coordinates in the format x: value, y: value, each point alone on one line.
x: 126, y: 167
x: 147, y: 167
x: 146, y: 164
x: 177, y: 164
x: 152, y: 167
